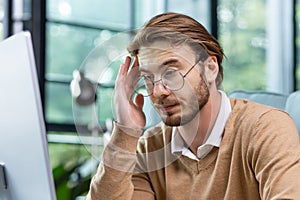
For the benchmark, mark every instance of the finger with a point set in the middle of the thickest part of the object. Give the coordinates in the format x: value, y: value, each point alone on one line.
x: 125, y: 66
x: 135, y: 72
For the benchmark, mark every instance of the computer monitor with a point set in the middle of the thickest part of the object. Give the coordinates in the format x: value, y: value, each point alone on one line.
x: 25, y: 172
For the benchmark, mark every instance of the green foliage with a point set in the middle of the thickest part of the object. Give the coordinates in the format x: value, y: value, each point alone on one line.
x: 67, y: 47
x: 242, y: 35
x: 66, y: 160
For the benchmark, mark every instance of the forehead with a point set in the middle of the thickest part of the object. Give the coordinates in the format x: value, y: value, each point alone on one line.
x: 159, y: 52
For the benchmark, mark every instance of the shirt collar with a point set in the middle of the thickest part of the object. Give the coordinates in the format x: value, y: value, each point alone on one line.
x: 178, y: 146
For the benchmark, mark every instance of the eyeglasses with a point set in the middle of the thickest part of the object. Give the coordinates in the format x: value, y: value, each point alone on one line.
x: 171, y: 78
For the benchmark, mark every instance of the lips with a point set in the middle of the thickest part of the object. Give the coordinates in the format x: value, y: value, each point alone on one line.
x: 167, y: 107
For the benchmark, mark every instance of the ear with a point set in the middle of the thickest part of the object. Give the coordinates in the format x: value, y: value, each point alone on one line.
x: 211, y: 69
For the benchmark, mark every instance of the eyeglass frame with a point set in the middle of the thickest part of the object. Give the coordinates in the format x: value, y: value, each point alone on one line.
x: 160, y: 80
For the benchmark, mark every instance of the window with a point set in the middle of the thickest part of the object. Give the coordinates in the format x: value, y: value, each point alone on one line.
x: 76, y: 30
x: 80, y: 27
x: 257, y: 36
x: 92, y: 38
x: 242, y: 33
x: 198, y: 9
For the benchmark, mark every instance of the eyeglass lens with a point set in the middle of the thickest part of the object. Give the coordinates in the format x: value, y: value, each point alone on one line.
x: 171, y: 79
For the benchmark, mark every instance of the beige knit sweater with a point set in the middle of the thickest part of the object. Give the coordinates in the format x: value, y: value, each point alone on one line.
x: 258, y: 159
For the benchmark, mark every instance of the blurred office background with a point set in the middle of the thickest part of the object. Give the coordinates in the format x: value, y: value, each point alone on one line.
x: 260, y: 39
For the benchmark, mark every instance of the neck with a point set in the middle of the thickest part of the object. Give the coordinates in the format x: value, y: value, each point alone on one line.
x: 196, y: 132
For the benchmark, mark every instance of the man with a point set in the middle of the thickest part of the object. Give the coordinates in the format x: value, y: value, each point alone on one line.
x: 207, y: 146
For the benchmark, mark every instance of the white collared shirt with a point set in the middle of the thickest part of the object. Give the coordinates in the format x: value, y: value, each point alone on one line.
x: 178, y: 145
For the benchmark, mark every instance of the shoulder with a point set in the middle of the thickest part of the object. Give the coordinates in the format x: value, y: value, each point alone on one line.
x: 245, y: 111
x: 261, y: 122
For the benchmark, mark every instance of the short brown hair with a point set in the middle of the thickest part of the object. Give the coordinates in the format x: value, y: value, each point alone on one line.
x: 178, y: 28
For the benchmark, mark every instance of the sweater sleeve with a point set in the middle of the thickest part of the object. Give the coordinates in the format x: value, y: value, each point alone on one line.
x: 113, y: 179
x: 275, y: 156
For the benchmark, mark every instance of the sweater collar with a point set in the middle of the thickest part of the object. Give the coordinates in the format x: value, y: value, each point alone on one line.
x: 178, y: 145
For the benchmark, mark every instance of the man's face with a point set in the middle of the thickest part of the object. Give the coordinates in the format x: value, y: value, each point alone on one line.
x: 176, y: 107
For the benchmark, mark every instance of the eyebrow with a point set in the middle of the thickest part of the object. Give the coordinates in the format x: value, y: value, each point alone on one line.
x: 166, y: 62
x: 170, y: 61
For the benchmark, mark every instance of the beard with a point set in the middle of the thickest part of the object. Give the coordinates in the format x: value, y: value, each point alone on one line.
x: 188, y: 108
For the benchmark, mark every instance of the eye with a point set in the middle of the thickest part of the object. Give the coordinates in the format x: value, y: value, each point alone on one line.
x: 170, y: 73
x: 148, y: 77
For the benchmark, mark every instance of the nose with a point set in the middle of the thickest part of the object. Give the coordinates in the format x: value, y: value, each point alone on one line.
x: 159, y: 89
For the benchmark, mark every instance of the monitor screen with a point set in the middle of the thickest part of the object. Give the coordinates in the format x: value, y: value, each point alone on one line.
x: 25, y: 171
